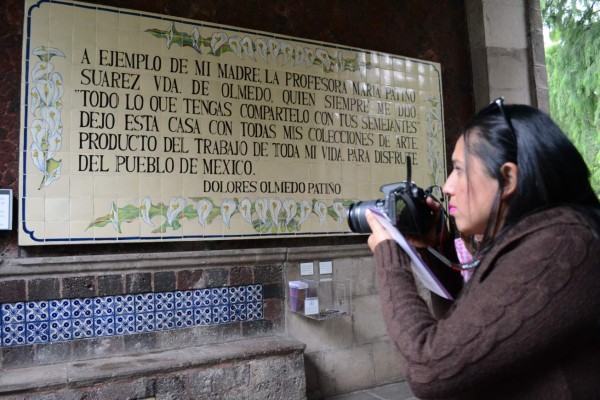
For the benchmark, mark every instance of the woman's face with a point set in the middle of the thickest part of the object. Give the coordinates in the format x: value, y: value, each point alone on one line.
x: 470, y: 197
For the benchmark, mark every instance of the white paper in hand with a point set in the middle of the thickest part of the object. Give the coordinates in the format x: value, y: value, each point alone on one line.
x: 419, y: 267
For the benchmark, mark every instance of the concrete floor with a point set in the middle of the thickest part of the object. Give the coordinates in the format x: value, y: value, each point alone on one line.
x: 393, y: 391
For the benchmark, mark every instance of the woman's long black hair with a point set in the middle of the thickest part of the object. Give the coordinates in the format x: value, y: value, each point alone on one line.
x: 551, y: 172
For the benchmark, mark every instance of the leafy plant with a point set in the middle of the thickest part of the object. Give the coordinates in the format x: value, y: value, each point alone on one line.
x: 573, y: 64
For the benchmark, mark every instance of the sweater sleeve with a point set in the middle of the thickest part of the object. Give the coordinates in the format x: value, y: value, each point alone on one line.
x: 518, y: 306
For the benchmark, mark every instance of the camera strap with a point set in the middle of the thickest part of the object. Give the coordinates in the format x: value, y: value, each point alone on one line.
x: 443, y: 217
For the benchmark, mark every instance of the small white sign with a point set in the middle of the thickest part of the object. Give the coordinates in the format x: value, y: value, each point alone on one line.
x: 311, y: 306
x: 5, y: 209
x: 307, y: 268
x: 325, y: 267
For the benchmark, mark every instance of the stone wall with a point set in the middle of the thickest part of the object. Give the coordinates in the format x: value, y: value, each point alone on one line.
x: 347, y: 353
x: 249, y: 369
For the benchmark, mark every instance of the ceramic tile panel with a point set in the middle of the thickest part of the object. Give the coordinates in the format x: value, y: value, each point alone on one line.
x: 138, y: 128
x: 62, y: 320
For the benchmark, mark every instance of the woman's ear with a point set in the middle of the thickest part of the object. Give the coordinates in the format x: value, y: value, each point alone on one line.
x: 510, y: 173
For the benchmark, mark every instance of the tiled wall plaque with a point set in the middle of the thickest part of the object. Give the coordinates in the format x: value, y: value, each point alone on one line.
x: 143, y: 127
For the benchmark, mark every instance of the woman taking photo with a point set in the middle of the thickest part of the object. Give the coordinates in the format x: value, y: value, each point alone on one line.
x: 526, y: 325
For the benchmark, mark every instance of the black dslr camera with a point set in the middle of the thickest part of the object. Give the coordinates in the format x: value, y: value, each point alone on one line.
x: 404, y: 204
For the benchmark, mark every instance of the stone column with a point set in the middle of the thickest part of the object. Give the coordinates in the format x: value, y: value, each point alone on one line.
x: 507, y: 51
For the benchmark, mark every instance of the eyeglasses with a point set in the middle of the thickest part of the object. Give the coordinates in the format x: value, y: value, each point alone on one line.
x: 499, y: 102
x: 455, y: 266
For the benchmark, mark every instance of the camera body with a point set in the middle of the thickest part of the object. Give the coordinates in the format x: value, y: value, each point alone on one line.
x: 405, y: 205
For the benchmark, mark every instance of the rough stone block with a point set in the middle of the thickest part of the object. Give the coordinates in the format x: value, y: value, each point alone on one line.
x: 12, y: 291
x: 164, y: 281
x: 360, y: 272
x: 368, y: 320
x: 174, y: 339
x: 170, y: 387
x: 268, y: 274
x: 190, y: 279
x: 273, y: 291
x: 137, y: 389
x: 140, y: 342
x: 505, y: 24
x: 52, y: 353
x: 320, y: 335
x: 241, y: 276
x: 110, y: 285
x: 387, y: 363
x: 203, y: 335
x: 256, y: 328
x: 345, y: 370
x: 312, y: 361
x: 43, y: 289
x: 226, y: 379
x: 273, y: 309
x: 78, y: 286
x: 97, y: 347
x: 216, y: 277
x: 198, y: 383
x: 17, y: 357
x: 138, y: 283
x: 507, y: 68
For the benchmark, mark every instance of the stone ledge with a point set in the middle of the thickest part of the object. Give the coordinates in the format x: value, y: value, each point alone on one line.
x: 87, y: 373
x: 140, y: 262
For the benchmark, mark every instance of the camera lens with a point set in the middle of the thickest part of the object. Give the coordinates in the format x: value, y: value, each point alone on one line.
x: 357, y: 220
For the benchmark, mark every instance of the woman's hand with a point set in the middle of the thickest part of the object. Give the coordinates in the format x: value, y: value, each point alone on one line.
x: 430, y: 238
x: 379, y: 234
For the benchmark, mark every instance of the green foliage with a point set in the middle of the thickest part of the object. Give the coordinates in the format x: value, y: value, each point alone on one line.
x: 573, y: 64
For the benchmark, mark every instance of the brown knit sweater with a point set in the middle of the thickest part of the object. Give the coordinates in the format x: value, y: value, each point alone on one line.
x: 526, y: 326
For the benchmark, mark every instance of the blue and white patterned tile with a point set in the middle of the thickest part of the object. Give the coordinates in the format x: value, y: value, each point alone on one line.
x: 104, y: 306
x: 124, y: 304
x: 254, y: 293
x: 60, y: 330
x: 82, y: 328
x: 238, y: 312
x: 60, y: 309
x: 63, y: 319
x: 219, y: 296
x: 237, y: 294
x: 37, y: 311
x: 38, y: 332
x: 13, y: 334
x: 254, y: 311
x: 164, y: 301
x: 144, y: 302
x: 145, y: 322
x: 203, y: 315
x: 13, y: 313
x: 202, y: 298
x: 220, y: 315
x: 184, y: 299
x: 184, y: 318
x: 82, y: 308
x: 125, y: 324
x: 165, y: 320
x: 104, y: 326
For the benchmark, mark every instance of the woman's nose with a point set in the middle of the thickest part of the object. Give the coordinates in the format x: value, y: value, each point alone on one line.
x: 447, y: 189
